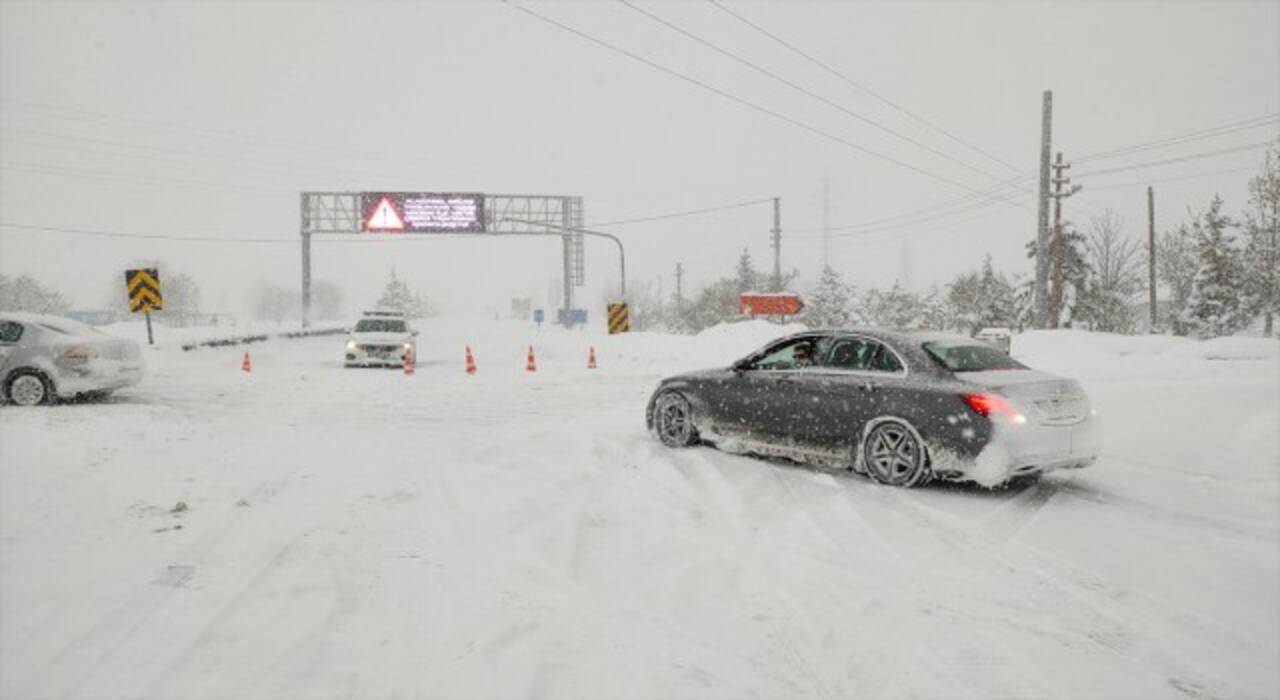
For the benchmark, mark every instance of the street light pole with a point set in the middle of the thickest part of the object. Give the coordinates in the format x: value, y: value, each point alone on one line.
x: 622, y: 253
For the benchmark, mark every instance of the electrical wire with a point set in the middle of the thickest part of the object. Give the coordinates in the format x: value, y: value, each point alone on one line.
x: 1180, y: 159
x: 864, y: 88
x: 675, y: 215
x: 739, y: 100
x: 804, y: 91
x: 1180, y: 139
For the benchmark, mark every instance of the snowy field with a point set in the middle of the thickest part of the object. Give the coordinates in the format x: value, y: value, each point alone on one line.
x: 360, y: 533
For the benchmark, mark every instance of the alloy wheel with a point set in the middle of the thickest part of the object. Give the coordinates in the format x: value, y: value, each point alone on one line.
x: 893, y: 455
x: 673, y: 418
x: 27, y: 390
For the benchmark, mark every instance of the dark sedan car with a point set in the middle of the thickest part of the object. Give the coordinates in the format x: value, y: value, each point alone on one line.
x: 899, y: 407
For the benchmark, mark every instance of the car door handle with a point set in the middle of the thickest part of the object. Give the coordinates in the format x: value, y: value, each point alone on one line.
x: 869, y: 386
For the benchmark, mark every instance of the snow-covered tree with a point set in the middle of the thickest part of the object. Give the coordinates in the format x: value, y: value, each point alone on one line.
x: 326, y: 300
x: 1262, y: 240
x: 25, y: 293
x: 271, y: 302
x: 1075, y: 277
x: 746, y: 277
x: 1176, y: 265
x: 981, y: 299
x: 181, y: 299
x: 935, y: 314
x: 397, y: 295
x: 895, y: 308
x: 828, y: 304
x: 1216, y: 306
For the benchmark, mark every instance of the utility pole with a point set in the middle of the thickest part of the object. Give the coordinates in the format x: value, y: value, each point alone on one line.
x: 679, y: 287
x: 1041, y: 292
x: 1057, y: 249
x: 826, y: 218
x: 777, y: 244
x: 1151, y: 253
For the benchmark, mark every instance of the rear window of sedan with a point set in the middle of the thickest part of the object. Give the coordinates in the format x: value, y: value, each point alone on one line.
x: 380, y: 325
x: 970, y: 358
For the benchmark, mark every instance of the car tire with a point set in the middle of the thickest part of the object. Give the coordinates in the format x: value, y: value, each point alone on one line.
x: 28, y: 387
x: 673, y: 420
x: 893, y: 454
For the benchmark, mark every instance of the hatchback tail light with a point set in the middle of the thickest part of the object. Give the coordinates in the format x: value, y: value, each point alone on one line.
x: 994, y: 406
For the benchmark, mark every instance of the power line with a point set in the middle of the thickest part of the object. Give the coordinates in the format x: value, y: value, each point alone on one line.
x: 1180, y: 159
x: 1192, y: 176
x: 730, y: 96
x: 862, y: 87
x: 802, y: 90
x: 1180, y: 139
x: 678, y: 214
x: 145, y: 236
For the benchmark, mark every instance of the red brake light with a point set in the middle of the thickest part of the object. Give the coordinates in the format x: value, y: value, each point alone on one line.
x: 79, y: 353
x: 990, y: 405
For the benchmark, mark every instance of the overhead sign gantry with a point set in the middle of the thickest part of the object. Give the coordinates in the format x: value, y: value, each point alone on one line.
x: 400, y: 213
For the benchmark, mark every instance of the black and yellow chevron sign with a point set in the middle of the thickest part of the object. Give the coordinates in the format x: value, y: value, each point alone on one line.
x: 618, y: 320
x: 144, y: 289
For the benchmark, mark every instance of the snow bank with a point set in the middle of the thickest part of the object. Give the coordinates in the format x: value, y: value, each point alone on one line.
x: 1233, y: 348
x: 1088, y: 355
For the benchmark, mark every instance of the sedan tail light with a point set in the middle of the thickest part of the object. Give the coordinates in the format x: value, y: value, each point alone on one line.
x: 994, y: 406
x: 79, y: 353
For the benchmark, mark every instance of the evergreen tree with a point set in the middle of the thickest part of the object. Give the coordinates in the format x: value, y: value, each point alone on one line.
x: 1176, y: 265
x: 981, y: 299
x: 828, y: 304
x: 1262, y: 240
x: 935, y: 315
x: 747, y: 278
x: 895, y: 308
x: 397, y: 296
x: 1216, y: 307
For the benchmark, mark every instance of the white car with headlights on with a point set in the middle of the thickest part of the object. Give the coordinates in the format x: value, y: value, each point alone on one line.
x: 381, y: 339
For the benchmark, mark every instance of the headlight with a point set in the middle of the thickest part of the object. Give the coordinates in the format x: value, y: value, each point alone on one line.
x: 351, y: 345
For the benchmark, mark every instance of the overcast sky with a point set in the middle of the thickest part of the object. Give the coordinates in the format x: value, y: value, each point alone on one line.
x: 207, y: 119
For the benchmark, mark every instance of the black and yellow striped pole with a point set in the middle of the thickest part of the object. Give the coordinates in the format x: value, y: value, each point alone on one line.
x: 143, y: 286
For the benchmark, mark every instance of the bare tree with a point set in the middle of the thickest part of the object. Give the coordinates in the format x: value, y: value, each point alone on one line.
x: 1115, y: 259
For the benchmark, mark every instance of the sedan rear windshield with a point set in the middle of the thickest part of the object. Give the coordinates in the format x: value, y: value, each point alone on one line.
x: 970, y: 358
x: 379, y: 325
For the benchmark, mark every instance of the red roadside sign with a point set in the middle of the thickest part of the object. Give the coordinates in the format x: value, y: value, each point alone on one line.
x: 769, y: 304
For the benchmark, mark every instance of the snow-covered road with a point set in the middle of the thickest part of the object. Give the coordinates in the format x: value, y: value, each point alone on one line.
x: 360, y: 533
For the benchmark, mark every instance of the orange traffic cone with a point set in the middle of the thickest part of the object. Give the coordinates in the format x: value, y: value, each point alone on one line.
x: 246, y: 366
x: 531, y: 366
x: 591, y: 358
x: 471, y: 361
x: 408, y: 361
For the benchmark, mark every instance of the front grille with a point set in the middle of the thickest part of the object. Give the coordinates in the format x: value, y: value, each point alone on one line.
x: 380, y: 349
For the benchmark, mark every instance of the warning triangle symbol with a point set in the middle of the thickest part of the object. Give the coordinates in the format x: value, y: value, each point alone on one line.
x: 385, y: 217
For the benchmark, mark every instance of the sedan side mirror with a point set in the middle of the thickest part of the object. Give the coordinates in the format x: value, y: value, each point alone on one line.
x: 415, y: 332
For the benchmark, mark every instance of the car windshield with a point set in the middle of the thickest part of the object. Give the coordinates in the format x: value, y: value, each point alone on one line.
x: 970, y: 358
x: 380, y: 325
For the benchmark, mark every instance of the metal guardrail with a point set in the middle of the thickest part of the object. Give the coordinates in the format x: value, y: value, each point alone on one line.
x: 260, y: 337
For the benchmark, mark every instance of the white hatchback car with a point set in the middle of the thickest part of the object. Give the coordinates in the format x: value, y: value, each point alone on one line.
x: 381, y: 338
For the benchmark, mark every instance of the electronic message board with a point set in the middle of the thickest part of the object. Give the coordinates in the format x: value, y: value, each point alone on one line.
x: 421, y: 212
